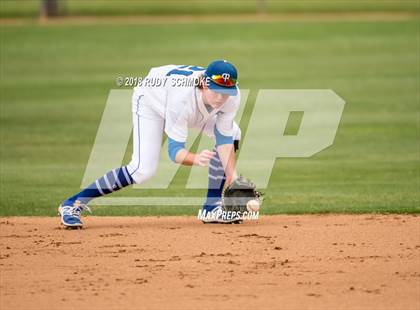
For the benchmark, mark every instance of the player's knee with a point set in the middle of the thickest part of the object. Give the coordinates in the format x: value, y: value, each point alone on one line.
x: 236, y: 132
x: 236, y: 145
x: 143, y: 175
x: 236, y: 136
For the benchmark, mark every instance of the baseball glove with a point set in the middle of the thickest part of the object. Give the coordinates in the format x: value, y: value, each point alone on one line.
x: 237, y: 195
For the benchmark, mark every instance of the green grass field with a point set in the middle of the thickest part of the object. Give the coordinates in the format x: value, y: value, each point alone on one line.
x: 55, y: 80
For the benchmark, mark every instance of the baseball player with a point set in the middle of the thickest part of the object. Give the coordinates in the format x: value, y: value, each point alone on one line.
x: 170, y: 100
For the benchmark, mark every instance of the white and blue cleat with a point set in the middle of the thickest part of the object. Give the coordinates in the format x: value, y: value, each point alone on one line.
x: 219, y: 215
x: 70, y: 214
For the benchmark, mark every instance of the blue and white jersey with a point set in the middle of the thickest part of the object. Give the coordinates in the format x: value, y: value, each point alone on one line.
x: 171, y: 91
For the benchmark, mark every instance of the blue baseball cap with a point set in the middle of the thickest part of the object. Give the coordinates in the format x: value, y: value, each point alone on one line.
x: 221, y: 77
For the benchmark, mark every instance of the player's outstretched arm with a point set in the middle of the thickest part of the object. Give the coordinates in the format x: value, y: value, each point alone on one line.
x: 180, y: 155
x: 201, y: 159
x: 227, y: 156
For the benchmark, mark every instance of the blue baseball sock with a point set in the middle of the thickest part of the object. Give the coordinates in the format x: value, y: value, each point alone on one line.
x: 112, y: 181
x: 217, y: 180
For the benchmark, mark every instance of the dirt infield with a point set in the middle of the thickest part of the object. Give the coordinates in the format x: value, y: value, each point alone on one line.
x: 278, y: 262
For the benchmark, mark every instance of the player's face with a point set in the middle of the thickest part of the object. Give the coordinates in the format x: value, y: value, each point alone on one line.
x: 215, y: 100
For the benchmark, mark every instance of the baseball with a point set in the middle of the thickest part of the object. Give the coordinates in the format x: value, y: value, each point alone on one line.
x: 253, y: 205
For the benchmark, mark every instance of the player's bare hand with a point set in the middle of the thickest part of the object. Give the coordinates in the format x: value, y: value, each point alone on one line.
x: 202, y: 159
